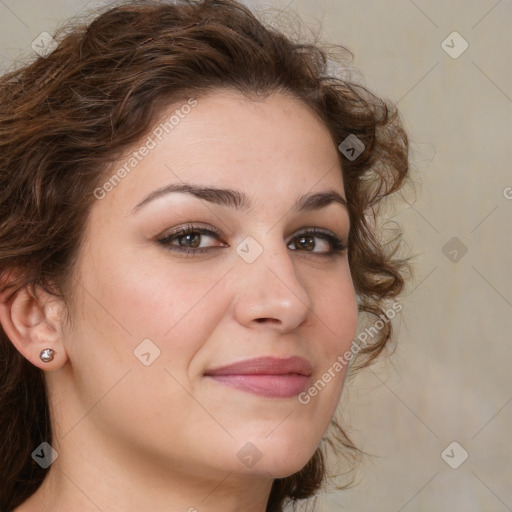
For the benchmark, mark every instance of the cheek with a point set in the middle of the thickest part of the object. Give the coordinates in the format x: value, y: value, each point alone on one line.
x: 337, y: 313
x: 337, y: 320
x: 172, y: 304
x: 125, y: 303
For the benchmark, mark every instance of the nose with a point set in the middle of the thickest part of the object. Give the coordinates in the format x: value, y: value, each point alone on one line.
x: 269, y: 290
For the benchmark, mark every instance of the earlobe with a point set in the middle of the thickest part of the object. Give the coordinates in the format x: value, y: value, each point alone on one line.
x: 33, y: 324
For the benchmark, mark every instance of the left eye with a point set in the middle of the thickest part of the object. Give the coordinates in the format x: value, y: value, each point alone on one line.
x: 189, y: 239
x: 307, y: 242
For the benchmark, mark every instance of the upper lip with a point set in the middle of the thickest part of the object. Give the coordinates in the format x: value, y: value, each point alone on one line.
x: 265, y: 366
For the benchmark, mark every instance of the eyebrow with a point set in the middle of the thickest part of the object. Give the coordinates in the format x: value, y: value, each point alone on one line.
x: 239, y: 201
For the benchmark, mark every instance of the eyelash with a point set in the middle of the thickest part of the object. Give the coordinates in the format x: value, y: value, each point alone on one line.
x: 338, y: 245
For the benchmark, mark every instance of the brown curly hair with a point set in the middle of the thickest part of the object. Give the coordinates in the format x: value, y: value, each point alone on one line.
x: 65, y: 117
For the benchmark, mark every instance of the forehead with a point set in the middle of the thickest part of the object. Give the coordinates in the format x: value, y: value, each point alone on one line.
x: 271, y: 147
x: 267, y: 128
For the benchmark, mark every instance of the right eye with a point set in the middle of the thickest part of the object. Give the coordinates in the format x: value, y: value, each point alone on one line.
x: 189, y: 238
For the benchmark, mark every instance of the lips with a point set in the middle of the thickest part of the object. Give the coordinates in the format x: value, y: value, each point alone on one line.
x: 265, y: 376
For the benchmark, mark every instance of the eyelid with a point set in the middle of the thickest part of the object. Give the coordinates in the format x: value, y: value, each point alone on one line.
x: 210, y: 230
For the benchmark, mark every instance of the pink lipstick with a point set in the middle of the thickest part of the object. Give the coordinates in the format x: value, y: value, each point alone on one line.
x: 266, y: 376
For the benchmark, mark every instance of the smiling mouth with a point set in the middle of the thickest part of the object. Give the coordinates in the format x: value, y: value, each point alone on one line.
x: 266, y: 376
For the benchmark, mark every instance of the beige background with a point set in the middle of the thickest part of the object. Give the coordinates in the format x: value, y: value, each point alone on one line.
x: 450, y: 378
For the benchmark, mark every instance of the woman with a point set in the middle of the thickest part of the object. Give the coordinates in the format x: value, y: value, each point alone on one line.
x: 187, y: 240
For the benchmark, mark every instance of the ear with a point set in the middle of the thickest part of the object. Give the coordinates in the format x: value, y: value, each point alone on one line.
x: 32, y: 320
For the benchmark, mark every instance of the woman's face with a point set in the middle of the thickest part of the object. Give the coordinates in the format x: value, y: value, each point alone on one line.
x: 157, y: 313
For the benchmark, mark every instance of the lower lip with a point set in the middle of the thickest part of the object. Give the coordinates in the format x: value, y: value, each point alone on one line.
x: 272, y: 386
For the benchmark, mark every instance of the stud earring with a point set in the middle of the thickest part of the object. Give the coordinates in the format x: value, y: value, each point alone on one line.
x: 46, y: 355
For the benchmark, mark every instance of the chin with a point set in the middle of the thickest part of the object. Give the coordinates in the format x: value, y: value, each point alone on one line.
x: 282, y: 469
x: 283, y: 463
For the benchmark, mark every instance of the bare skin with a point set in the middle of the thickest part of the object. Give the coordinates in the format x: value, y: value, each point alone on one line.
x: 165, y: 436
